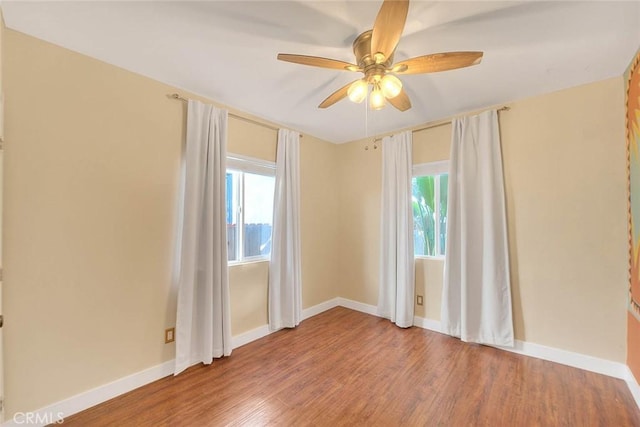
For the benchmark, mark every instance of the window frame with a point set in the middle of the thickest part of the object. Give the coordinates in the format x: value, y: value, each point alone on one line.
x: 434, y: 169
x: 246, y: 164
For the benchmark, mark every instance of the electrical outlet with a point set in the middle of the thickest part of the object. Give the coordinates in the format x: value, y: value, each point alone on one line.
x: 419, y: 300
x: 169, y: 335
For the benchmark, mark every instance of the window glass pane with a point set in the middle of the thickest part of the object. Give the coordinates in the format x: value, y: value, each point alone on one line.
x: 423, y: 200
x: 232, y: 198
x: 444, y: 184
x: 258, y: 213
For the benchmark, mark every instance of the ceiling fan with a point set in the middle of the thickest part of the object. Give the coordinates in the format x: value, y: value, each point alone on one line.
x: 374, y: 51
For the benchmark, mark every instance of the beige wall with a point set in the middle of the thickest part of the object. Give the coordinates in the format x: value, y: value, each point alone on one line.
x: 564, y: 160
x: 564, y: 166
x: 319, y: 187
x: 359, y: 221
x: 92, y: 157
x: 92, y: 165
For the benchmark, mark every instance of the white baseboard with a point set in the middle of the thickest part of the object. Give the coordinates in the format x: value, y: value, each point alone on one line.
x: 50, y: 414
x: 634, y: 388
x: 430, y: 324
x: 252, y: 335
x: 569, y: 358
x: 319, y: 308
x: 358, y: 306
x: 65, y: 408
x: 263, y: 331
x: 564, y: 357
x: 54, y: 412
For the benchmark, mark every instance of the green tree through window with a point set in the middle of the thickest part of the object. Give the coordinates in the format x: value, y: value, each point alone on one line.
x: 429, y: 199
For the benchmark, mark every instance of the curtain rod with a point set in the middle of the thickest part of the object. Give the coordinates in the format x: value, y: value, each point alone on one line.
x: 444, y: 122
x: 235, y: 116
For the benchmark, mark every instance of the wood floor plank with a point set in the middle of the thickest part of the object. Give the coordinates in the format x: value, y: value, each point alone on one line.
x: 345, y: 368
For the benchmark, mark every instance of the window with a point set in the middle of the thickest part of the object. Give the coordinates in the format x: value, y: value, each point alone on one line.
x: 250, y: 185
x: 429, y: 199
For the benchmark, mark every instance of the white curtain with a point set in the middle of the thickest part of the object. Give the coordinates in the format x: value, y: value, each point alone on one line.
x: 203, y: 324
x: 395, y: 298
x: 285, y: 271
x: 476, y: 300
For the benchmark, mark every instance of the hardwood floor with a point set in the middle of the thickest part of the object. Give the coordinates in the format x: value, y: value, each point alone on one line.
x: 347, y: 368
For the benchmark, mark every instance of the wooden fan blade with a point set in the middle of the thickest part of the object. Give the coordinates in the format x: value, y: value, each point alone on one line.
x: 316, y: 61
x: 388, y: 28
x: 438, y: 62
x: 335, y: 96
x: 400, y: 101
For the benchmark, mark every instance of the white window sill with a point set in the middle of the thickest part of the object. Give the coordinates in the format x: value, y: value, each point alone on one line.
x: 247, y: 261
x: 429, y: 257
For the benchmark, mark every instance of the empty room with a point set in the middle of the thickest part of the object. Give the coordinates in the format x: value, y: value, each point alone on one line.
x: 359, y: 213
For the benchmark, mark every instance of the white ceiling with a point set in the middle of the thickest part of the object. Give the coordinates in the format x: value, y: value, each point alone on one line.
x: 226, y: 51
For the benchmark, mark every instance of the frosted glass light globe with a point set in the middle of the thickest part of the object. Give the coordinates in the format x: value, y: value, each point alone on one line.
x: 357, y: 92
x: 376, y: 100
x: 390, y: 85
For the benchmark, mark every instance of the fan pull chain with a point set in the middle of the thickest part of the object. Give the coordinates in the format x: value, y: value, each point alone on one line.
x: 366, y: 124
x: 366, y: 119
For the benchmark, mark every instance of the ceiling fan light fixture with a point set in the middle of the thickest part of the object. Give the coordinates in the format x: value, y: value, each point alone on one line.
x: 374, y: 52
x: 390, y: 85
x: 376, y: 100
x: 357, y: 92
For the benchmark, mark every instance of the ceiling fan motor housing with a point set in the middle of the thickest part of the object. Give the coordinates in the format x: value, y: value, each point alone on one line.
x: 362, y: 50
